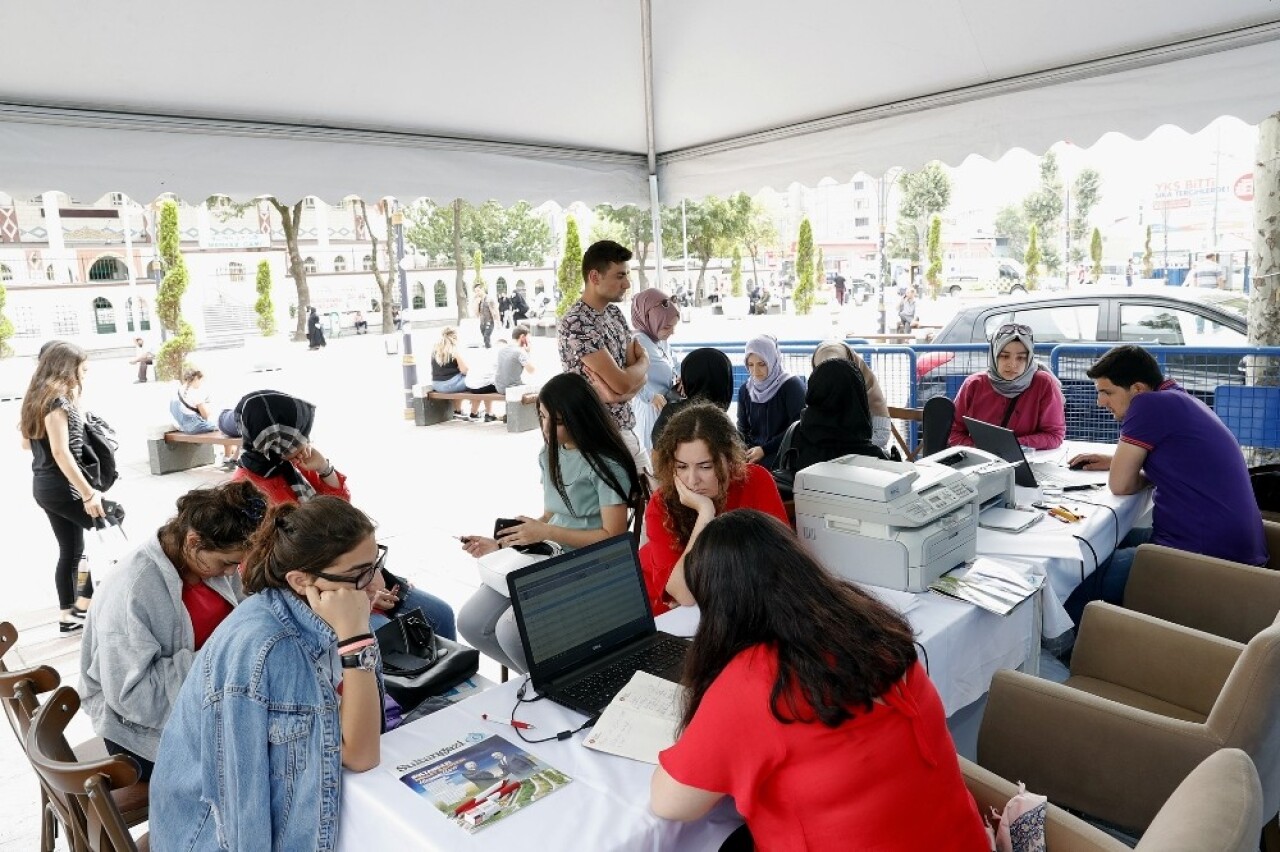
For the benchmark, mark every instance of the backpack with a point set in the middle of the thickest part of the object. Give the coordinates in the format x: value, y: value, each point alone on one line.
x: 98, y: 455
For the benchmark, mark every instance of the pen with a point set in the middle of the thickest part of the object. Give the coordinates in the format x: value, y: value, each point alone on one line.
x: 515, y: 723
x: 1083, y: 487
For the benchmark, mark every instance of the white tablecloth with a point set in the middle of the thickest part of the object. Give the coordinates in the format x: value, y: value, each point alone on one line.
x: 606, y: 806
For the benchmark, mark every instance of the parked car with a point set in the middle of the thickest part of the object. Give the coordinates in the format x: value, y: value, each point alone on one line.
x: 1166, y: 316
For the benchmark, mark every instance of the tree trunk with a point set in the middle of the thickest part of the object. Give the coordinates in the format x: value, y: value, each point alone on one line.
x: 460, y: 282
x: 699, y: 292
x: 1264, y: 302
x: 290, y: 218
x: 384, y: 282
x: 755, y: 273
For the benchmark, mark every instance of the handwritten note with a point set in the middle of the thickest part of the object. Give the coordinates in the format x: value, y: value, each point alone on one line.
x: 640, y: 721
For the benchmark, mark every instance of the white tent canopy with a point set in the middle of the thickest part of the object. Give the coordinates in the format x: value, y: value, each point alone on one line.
x: 583, y: 101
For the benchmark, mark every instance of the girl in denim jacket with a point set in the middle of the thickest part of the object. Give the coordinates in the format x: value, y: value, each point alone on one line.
x: 282, y: 697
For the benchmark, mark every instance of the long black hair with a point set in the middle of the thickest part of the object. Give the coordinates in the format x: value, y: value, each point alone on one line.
x: 572, y: 402
x: 838, y: 648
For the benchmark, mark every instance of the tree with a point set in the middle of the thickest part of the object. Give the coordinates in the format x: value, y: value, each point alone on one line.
x: 508, y: 236
x: 173, y: 352
x: 6, y: 327
x: 1043, y: 208
x: 934, y: 273
x: 384, y: 282
x: 713, y: 226
x: 459, y: 265
x: 1011, y: 224
x: 1264, y: 299
x: 1095, y: 254
x: 290, y: 219
x: 1032, y: 258
x: 925, y: 194
x: 1148, y: 267
x: 735, y: 274
x: 631, y: 226
x: 757, y: 229
x: 570, y: 278
x: 477, y: 260
x: 266, y: 310
x: 804, y: 268
x: 1086, y: 192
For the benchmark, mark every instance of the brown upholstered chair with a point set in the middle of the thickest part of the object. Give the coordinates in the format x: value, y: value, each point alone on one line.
x: 1224, y: 598
x: 1146, y: 702
x: 81, y: 792
x: 1216, y: 809
x: 19, y: 693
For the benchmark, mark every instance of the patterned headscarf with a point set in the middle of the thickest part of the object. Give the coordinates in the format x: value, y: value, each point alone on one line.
x: 652, y: 309
x: 1000, y: 338
x: 274, y: 425
x: 766, y: 348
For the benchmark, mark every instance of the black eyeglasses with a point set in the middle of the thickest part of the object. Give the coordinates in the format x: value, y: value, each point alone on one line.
x: 665, y: 303
x: 365, y: 577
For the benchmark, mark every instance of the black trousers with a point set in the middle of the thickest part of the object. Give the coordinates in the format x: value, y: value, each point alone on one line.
x: 68, y: 520
x: 145, y: 767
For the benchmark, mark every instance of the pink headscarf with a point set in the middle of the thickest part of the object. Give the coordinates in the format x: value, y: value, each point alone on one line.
x: 652, y: 309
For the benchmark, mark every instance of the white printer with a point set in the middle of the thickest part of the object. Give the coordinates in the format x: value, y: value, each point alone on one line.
x: 990, y: 474
x: 891, y: 524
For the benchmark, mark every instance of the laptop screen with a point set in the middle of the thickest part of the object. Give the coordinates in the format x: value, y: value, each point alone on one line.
x: 579, y: 606
x: 1003, y: 443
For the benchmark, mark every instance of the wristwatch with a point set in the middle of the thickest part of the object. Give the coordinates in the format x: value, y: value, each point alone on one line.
x: 365, y: 659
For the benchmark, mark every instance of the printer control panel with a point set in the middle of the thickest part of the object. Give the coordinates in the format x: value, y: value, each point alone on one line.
x: 939, y: 500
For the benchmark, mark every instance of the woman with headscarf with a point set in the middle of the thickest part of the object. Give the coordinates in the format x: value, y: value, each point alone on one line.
x: 881, y: 428
x: 836, y: 420
x: 1015, y: 392
x: 706, y: 375
x: 279, y: 458
x: 654, y: 316
x: 315, y: 334
x: 769, y: 401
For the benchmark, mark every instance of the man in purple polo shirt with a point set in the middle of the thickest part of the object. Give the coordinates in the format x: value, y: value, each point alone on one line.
x: 1171, y: 440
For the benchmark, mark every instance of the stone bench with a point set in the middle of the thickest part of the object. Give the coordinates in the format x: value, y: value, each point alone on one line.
x: 176, y: 450
x: 431, y: 407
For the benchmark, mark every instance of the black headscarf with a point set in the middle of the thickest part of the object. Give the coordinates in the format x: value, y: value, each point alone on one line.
x: 274, y: 425
x: 705, y: 374
x: 836, y: 420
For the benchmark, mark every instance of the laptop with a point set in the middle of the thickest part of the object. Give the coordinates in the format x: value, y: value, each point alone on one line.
x: 587, y: 627
x: 1002, y: 442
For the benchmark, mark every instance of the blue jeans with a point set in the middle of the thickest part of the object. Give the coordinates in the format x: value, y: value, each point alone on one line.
x: 457, y: 384
x: 438, y: 613
x: 1108, y: 582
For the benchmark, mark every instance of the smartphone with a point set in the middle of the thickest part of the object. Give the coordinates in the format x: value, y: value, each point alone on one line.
x: 502, y: 523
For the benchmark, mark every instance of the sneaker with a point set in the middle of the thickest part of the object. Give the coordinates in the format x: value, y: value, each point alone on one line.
x: 70, y: 626
x: 229, y: 465
x: 77, y: 612
x: 474, y: 418
x: 489, y: 418
x: 458, y: 415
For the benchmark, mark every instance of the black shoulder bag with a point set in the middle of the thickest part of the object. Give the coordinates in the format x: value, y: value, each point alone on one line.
x: 418, y: 664
x: 98, y: 455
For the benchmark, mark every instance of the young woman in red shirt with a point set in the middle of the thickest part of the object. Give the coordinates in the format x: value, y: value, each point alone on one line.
x: 806, y: 703
x: 702, y: 470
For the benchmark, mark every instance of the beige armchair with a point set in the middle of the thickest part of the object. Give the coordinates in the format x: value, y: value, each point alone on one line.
x: 1146, y: 702
x: 1272, y: 531
x: 1224, y: 598
x: 1216, y: 809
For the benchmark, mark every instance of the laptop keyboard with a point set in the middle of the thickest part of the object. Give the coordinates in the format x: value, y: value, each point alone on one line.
x: 598, y: 688
x: 1052, y: 474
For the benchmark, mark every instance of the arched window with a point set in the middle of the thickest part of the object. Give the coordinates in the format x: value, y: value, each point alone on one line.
x: 104, y: 316
x: 366, y: 263
x: 6, y: 274
x: 155, y: 271
x: 501, y: 287
x: 108, y: 269
x: 235, y: 271
x: 309, y: 265
x: 442, y: 294
x: 144, y: 314
x: 538, y: 286
x: 340, y: 264
x: 50, y: 273
x: 419, y: 296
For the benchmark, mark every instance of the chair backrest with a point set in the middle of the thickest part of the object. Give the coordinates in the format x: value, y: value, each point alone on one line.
x: 908, y: 414
x: 81, y: 792
x: 8, y: 636
x: 1217, y: 808
x: 1244, y: 716
x: 939, y: 414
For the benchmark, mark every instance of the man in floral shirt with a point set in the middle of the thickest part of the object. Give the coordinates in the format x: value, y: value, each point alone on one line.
x: 596, y: 342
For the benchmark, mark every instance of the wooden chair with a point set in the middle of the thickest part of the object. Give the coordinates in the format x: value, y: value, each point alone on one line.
x: 83, y: 792
x: 19, y: 693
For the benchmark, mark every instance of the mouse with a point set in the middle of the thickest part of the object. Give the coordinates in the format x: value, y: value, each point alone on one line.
x: 1077, y: 465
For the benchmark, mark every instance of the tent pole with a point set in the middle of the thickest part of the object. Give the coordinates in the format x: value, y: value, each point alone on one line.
x: 655, y: 212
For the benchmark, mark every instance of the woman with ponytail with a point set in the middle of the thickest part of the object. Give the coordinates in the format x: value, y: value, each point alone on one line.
x: 283, y: 697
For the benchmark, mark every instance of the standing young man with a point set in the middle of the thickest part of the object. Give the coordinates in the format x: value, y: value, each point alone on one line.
x: 1169, y: 439
x: 596, y: 342
x: 487, y: 311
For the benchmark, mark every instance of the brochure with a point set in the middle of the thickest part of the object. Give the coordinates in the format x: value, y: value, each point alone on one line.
x: 640, y: 721
x: 991, y: 584
x: 479, y: 780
